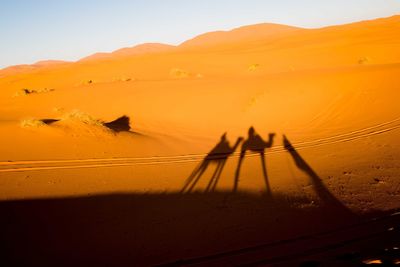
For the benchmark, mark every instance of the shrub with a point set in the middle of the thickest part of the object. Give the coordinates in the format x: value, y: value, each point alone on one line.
x: 26, y: 91
x: 253, y: 67
x: 83, y: 117
x: 364, y: 60
x: 179, y: 73
x: 28, y: 123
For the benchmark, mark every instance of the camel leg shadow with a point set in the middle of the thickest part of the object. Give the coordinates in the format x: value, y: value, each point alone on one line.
x: 264, y: 168
x: 237, y: 174
x: 194, y: 178
x: 216, y: 176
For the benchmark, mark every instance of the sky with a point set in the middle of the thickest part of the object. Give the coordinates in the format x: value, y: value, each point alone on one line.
x: 33, y: 30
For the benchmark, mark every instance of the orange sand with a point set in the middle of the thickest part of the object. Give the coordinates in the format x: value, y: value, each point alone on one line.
x: 332, y: 91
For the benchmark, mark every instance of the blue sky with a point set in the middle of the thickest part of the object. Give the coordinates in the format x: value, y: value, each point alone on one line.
x: 33, y: 30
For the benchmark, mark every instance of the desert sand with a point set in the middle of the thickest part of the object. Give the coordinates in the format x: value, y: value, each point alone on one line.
x: 132, y: 157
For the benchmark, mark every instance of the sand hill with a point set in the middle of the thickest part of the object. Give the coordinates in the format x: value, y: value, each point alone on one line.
x: 148, y: 48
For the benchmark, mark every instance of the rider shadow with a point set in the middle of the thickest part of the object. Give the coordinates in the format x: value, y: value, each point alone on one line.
x: 326, y: 197
x: 256, y: 144
x: 219, y: 155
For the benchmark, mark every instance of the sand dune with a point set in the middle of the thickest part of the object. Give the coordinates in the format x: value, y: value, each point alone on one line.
x: 147, y: 48
x: 244, y: 34
x: 276, y: 78
x: 12, y: 70
x: 139, y: 121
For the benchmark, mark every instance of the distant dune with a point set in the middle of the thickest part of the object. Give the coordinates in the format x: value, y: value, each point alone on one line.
x: 44, y: 63
x: 242, y: 34
x: 25, y: 67
x: 252, y: 36
x: 141, y: 49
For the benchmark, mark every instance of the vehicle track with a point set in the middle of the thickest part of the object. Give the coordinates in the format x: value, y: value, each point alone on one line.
x: 39, y: 165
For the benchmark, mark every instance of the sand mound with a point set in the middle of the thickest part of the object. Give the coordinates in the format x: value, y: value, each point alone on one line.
x: 77, y: 120
x: 81, y: 117
x: 32, y: 123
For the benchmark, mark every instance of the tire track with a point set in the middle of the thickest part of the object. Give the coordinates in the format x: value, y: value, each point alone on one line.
x: 22, y: 166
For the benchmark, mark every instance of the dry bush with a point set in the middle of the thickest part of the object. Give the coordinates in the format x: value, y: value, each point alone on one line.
x: 83, y: 117
x: 45, y: 90
x: 178, y: 73
x: 31, y: 123
x: 24, y: 92
x: 253, y: 67
x: 58, y: 109
x: 124, y: 79
x: 27, y: 91
x: 364, y: 60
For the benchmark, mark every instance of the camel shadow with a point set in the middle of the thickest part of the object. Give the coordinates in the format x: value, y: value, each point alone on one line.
x: 218, y: 155
x: 254, y: 143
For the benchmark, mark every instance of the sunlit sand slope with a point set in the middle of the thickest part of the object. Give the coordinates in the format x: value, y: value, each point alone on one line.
x: 332, y: 91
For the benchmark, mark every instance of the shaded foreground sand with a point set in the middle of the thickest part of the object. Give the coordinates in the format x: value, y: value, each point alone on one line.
x: 211, y: 229
x: 94, y: 155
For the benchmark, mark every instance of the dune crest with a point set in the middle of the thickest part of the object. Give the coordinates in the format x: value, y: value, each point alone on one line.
x: 141, y: 49
x: 242, y: 34
x: 256, y: 37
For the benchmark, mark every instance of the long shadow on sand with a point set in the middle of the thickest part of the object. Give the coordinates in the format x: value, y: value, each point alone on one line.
x: 218, y: 155
x: 210, y: 229
x: 254, y: 143
x: 202, y: 229
x: 325, y: 196
x: 121, y: 124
